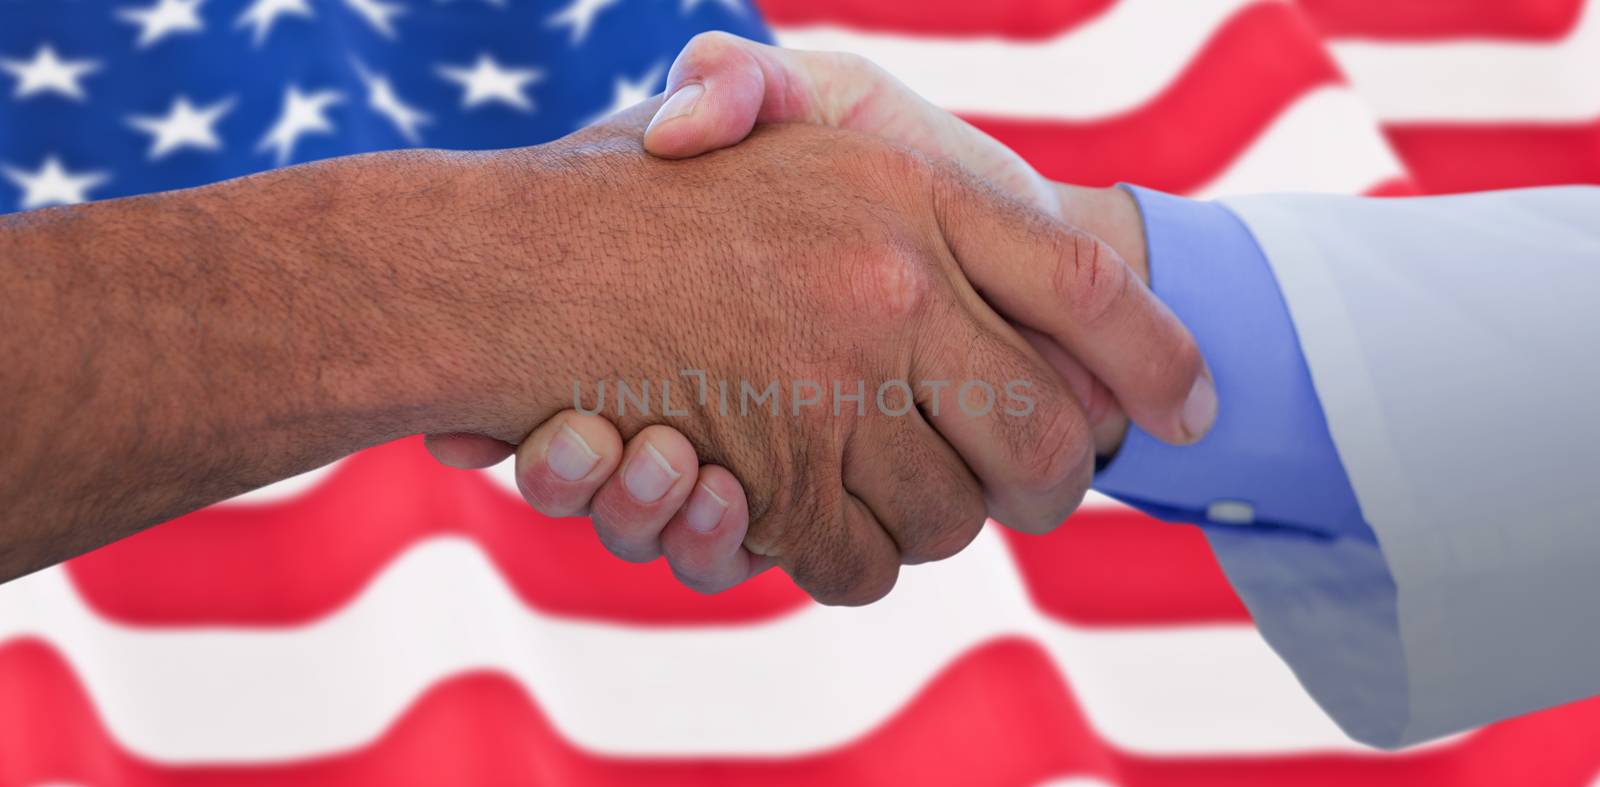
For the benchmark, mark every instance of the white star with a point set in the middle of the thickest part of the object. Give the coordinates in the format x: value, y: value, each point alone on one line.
x: 302, y: 114
x: 378, y: 14
x: 383, y: 99
x: 579, y: 16
x: 625, y: 94
x: 53, y: 184
x: 735, y: 6
x: 163, y: 19
x: 261, y: 15
x: 184, y: 126
x: 486, y: 81
x: 48, y: 73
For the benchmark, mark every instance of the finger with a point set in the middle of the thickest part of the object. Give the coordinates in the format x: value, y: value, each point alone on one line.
x: 1075, y: 288
x: 721, y: 85
x: 915, y: 484
x: 467, y: 451
x: 563, y: 462
x: 704, y: 541
x: 850, y: 560
x: 1010, y: 417
x: 659, y: 468
x: 1106, y: 418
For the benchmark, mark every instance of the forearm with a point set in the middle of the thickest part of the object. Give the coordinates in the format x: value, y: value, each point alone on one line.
x: 169, y: 351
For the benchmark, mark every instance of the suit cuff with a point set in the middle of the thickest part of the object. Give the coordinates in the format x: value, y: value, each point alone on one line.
x: 1269, y: 460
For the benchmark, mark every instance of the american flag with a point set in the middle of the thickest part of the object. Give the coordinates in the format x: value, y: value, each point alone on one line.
x: 386, y: 621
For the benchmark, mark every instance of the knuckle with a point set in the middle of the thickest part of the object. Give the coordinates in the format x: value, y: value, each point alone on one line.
x: 1088, y: 277
x: 1058, y: 473
x: 854, y: 582
x: 837, y: 569
x: 935, y: 507
x: 890, y: 282
x: 871, y: 587
x: 952, y: 530
x: 789, y: 521
x: 1052, y: 448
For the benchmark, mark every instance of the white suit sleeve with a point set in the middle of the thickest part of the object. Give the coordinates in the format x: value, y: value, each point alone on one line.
x: 1454, y: 345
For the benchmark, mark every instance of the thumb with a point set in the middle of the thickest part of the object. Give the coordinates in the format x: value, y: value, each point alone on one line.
x: 1074, y: 288
x: 721, y: 85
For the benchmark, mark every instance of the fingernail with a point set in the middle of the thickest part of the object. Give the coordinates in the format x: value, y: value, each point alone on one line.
x: 648, y: 476
x: 678, y: 104
x: 705, y: 510
x: 569, y: 456
x: 1200, y: 409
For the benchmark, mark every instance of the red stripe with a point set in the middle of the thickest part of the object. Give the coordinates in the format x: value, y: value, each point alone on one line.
x: 1255, y: 66
x: 1121, y: 567
x: 291, y: 562
x: 1448, y: 158
x: 1019, y: 19
x: 1386, y: 19
x: 1000, y: 715
x: 1038, y: 19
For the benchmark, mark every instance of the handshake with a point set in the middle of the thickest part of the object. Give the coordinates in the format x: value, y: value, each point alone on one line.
x: 836, y: 345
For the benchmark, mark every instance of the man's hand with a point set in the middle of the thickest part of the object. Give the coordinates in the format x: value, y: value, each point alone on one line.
x: 708, y: 556
x: 719, y: 87
x: 807, y: 254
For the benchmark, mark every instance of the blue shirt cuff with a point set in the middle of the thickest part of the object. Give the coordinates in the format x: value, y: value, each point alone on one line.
x: 1269, y: 460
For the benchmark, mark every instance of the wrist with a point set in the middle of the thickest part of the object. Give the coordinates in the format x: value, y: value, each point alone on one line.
x: 488, y: 250
x: 409, y: 259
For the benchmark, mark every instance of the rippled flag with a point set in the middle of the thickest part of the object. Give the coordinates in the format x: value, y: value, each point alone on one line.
x: 386, y: 621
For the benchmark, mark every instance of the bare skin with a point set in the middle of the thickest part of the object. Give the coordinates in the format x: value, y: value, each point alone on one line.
x: 165, y: 352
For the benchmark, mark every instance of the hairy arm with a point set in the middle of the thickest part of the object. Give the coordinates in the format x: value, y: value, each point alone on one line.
x: 160, y: 353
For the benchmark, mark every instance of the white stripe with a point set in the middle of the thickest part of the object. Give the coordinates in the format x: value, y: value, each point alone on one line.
x: 1113, y: 64
x: 1126, y: 57
x: 1481, y: 80
x: 1325, y: 142
x: 811, y: 680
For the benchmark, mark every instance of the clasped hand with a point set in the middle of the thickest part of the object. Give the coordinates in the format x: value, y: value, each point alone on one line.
x: 871, y: 241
